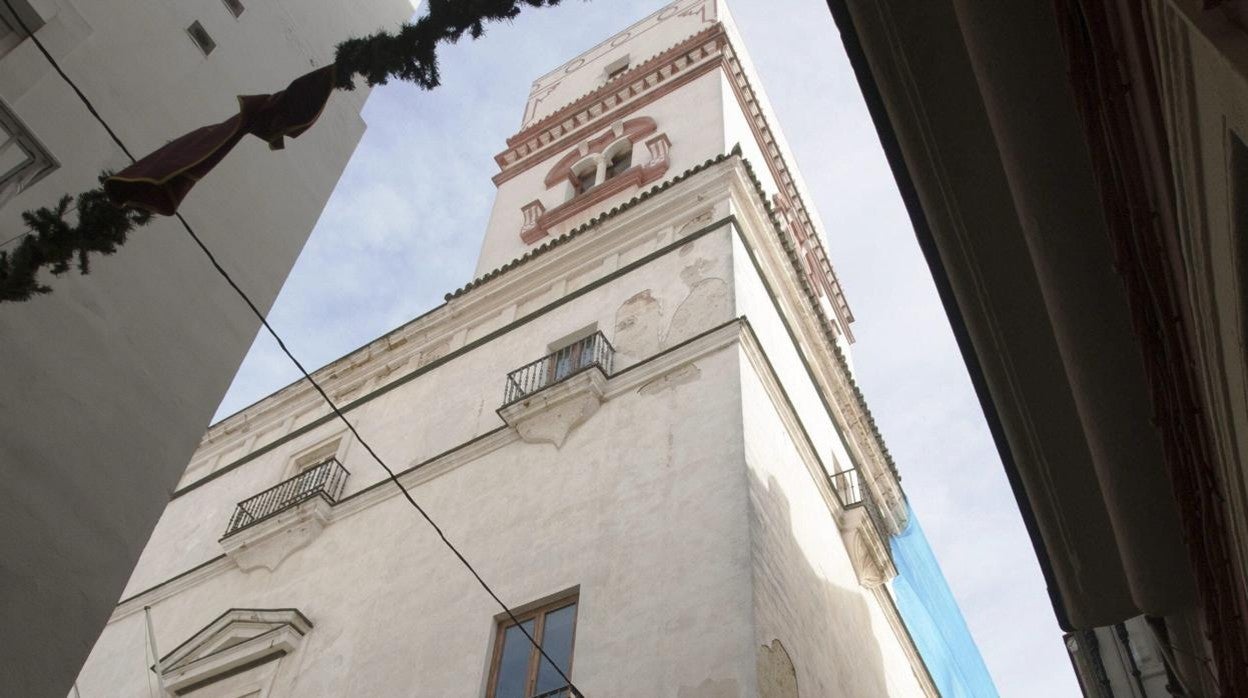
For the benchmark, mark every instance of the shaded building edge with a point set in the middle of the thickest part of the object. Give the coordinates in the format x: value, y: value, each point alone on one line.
x: 1124, y: 106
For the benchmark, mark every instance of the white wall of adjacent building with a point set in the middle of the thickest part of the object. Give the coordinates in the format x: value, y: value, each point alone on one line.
x: 111, y: 379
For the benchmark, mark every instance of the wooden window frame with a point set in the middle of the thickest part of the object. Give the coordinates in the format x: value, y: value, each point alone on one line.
x: 538, y: 615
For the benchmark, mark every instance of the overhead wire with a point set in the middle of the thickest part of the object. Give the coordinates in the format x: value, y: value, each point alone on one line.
x: 307, y: 375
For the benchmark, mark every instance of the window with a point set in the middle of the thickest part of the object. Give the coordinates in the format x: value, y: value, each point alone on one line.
x: 201, y: 37
x: 11, y: 31
x: 571, y: 354
x: 23, y: 159
x: 234, y: 6
x: 311, y: 457
x: 584, y: 177
x: 306, y: 461
x: 620, y: 161
x: 518, y: 670
x: 616, y: 68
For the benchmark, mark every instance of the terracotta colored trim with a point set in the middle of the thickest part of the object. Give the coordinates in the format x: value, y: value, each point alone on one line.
x: 633, y: 129
x: 822, y: 275
x: 581, y: 103
x: 803, y: 227
x: 637, y: 175
x: 658, y: 92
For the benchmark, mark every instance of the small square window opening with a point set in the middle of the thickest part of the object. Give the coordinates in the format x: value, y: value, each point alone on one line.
x: 201, y: 37
x: 234, y: 6
x: 616, y: 68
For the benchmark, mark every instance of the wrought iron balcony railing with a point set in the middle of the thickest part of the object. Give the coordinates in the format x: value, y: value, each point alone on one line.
x: 852, y: 492
x: 323, y: 480
x: 582, y: 354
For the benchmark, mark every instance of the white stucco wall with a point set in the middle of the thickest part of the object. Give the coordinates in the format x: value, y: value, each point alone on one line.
x: 644, y: 507
x: 435, y: 411
x: 806, y: 593
x: 111, y: 379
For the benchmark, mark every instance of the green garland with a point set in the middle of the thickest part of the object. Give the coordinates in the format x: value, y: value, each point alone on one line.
x: 101, y: 227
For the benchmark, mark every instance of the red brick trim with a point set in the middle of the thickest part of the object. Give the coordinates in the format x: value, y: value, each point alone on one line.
x: 633, y: 129
x: 635, y: 176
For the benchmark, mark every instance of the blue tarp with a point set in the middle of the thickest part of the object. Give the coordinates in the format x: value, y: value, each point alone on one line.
x: 934, y: 620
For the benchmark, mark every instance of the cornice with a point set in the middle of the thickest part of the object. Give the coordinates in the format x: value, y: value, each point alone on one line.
x: 592, y: 223
x: 623, y: 382
x: 462, y: 308
x: 689, y: 59
x: 633, y: 89
x: 394, y: 360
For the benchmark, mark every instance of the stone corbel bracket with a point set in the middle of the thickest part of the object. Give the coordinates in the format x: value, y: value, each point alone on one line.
x: 550, y: 414
x: 268, y: 542
x: 868, y: 548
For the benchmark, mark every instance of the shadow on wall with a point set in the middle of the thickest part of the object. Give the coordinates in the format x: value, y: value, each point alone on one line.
x: 823, y: 629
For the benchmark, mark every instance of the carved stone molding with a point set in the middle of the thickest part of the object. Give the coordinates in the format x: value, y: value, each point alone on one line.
x: 238, y: 639
x: 267, y: 543
x: 550, y: 415
x: 867, y: 550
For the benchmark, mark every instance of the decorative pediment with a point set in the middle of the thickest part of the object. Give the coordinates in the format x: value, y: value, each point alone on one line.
x: 239, y: 637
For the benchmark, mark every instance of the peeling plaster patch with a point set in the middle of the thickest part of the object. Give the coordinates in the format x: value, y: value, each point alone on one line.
x: 695, y: 272
x: 685, y: 374
x: 638, y: 324
x: 707, y: 305
x: 776, y: 676
x: 710, y: 688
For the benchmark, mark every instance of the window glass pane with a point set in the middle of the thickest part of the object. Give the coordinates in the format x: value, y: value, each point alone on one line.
x: 565, y: 362
x: 557, y: 641
x: 513, y: 666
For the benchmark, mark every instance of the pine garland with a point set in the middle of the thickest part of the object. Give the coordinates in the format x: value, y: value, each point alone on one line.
x: 55, y: 242
x: 101, y: 227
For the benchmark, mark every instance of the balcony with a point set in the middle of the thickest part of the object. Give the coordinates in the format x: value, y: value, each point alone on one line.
x: 324, y: 480
x: 867, y: 543
x: 548, y: 398
x: 849, y: 489
x: 558, y: 366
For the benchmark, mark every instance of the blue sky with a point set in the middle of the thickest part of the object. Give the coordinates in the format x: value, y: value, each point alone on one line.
x: 405, y: 223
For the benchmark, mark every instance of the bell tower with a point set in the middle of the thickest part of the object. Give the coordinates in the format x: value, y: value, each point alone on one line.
x: 639, y: 418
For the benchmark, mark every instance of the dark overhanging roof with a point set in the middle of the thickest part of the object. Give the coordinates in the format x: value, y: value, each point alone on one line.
x: 927, y: 243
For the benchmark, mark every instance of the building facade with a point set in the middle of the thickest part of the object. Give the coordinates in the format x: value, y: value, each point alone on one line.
x: 1075, y: 172
x: 638, y: 422
x: 95, y: 436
